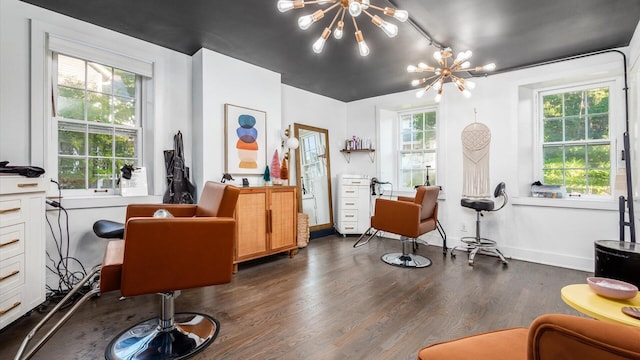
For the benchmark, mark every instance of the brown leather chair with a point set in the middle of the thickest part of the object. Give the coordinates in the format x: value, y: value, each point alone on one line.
x: 550, y: 337
x: 409, y: 218
x: 194, y: 248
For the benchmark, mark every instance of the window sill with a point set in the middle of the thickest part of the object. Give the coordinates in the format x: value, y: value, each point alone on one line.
x: 94, y: 202
x: 609, y: 204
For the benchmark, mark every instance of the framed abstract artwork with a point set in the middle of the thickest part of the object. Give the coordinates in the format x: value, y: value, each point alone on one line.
x: 245, y: 140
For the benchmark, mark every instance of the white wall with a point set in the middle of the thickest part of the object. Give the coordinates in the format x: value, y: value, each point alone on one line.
x: 219, y: 80
x: 526, y: 230
x: 171, y: 106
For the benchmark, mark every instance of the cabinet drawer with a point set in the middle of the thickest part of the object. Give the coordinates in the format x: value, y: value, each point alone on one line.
x: 349, y: 203
x: 11, y: 273
x: 11, y: 307
x: 349, y: 191
x: 349, y: 215
x: 11, y: 212
x: 348, y: 227
x: 19, y: 184
x: 11, y: 241
x: 355, y: 181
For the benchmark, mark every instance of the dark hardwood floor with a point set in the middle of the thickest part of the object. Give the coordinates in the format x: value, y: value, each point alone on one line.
x: 330, y: 302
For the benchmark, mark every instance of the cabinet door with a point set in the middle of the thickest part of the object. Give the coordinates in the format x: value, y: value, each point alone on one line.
x: 283, y: 215
x: 251, y: 224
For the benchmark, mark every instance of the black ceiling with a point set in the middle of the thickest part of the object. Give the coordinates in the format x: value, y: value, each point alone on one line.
x: 510, y: 33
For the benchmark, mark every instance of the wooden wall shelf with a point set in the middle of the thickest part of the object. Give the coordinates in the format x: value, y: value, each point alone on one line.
x: 347, y: 153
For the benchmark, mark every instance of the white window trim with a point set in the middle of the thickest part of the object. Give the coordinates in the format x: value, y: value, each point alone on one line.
x: 616, y: 128
x: 41, y: 112
x: 394, y: 145
x: 399, y: 151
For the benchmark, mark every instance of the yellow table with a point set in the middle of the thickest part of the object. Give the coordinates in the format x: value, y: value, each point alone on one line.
x: 583, y: 299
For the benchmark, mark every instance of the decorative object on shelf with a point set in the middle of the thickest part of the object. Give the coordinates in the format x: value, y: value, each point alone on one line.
x: 355, y: 8
x: 267, y: 175
x: 284, y: 169
x: 275, y: 168
x: 446, y: 71
x: 225, y: 177
x: 357, y: 143
x: 245, y: 140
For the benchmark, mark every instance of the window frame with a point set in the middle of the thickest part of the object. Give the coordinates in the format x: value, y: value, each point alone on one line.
x: 615, y: 126
x: 400, y: 152
x: 55, y: 122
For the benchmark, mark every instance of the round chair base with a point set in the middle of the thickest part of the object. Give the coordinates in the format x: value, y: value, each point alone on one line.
x: 192, y: 333
x: 406, y: 260
x: 472, y: 241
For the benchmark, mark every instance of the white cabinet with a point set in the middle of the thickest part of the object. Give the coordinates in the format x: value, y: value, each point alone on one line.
x: 353, y: 204
x: 22, y: 246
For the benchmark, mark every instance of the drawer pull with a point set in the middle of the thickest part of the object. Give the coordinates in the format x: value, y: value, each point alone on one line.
x: 24, y: 185
x: 356, y: 182
x: 349, y: 203
x: 9, y: 242
x: 14, y: 272
x: 349, y: 216
x: 16, y: 304
x: 4, y: 211
x: 349, y: 227
x: 349, y: 191
x: 100, y: 190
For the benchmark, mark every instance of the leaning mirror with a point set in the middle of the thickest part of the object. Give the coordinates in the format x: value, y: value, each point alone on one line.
x: 314, y: 176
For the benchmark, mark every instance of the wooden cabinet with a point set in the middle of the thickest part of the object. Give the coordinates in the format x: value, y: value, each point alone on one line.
x: 22, y: 246
x: 266, y: 220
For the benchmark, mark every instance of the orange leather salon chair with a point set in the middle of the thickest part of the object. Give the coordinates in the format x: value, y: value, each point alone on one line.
x: 194, y: 248
x: 409, y: 218
x: 550, y: 337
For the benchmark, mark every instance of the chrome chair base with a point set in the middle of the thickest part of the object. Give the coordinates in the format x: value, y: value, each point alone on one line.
x: 406, y: 260
x: 474, y: 246
x: 191, y: 333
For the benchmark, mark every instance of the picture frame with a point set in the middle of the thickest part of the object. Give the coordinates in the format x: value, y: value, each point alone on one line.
x: 245, y: 140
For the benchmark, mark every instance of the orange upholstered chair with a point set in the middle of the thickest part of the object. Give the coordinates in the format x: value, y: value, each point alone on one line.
x: 163, y: 255
x: 409, y: 218
x: 550, y: 337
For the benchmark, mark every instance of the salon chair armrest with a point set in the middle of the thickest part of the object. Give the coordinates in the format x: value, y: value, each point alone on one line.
x: 406, y: 198
x: 555, y: 336
x: 147, y: 210
x: 398, y: 217
x: 166, y: 254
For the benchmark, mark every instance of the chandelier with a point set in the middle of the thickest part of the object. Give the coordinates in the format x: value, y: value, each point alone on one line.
x: 446, y: 71
x: 354, y: 8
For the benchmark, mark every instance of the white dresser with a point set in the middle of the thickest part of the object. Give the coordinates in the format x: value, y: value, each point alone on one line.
x: 353, y: 204
x: 22, y: 246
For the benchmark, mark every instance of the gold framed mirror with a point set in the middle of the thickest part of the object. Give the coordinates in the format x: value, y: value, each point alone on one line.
x: 313, y: 169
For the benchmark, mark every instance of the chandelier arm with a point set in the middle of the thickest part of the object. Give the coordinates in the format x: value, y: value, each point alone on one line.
x: 343, y: 10
x: 377, y: 8
x: 330, y: 8
x: 319, y: 1
x: 366, y: 12
x: 355, y: 24
x: 430, y: 77
x: 334, y: 19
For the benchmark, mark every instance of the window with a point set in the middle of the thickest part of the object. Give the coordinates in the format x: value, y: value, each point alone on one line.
x: 97, y: 116
x: 576, y: 139
x: 417, y: 147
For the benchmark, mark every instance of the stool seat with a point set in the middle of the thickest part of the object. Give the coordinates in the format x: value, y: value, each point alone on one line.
x: 478, y: 204
x: 108, y: 229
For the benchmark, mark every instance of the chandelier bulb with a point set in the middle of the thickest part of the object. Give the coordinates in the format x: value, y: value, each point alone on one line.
x: 412, y: 68
x: 319, y: 44
x: 400, y: 15
x: 365, y: 4
x: 355, y: 8
x: 466, y: 93
x: 470, y: 84
x: 362, y: 45
x: 437, y: 85
x: 420, y: 93
x: 465, y: 65
x: 305, y: 21
x: 438, y: 97
x: 390, y: 29
x: 286, y: 5
x: 489, y: 67
x: 415, y: 82
x: 338, y: 33
x: 437, y: 55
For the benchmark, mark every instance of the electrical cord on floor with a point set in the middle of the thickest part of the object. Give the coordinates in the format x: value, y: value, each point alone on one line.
x: 67, y: 278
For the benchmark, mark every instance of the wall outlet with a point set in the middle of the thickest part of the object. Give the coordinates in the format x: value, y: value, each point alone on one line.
x: 463, y: 228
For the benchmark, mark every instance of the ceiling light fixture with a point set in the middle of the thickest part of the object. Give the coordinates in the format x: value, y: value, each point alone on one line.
x: 447, y: 71
x: 354, y: 8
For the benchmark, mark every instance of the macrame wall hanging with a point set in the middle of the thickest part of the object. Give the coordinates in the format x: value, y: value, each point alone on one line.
x: 476, y: 138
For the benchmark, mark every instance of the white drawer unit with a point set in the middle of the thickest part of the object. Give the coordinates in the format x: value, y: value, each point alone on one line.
x: 353, y: 204
x: 22, y: 246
